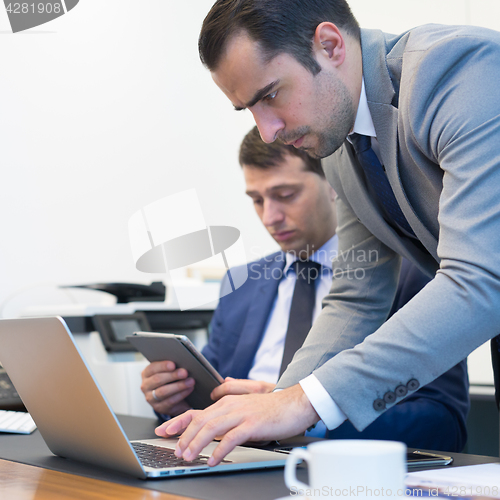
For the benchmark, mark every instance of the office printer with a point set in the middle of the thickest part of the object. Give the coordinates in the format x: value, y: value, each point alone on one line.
x: 100, y: 332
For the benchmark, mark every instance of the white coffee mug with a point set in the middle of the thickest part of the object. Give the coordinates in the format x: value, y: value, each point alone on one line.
x: 364, y: 469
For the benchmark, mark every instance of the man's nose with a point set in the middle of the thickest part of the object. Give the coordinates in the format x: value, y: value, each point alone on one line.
x: 272, y: 214
x: 269, y: 125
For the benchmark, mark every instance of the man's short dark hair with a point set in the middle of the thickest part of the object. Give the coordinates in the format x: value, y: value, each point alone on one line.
x: 255, y: 153
x: 279, y: 26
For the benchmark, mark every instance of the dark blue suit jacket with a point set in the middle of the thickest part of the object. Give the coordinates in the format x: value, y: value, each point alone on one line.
x: 433, y: 417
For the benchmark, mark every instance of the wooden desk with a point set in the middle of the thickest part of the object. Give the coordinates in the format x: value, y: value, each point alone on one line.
x: 25, y: 482
x: 47, y: 476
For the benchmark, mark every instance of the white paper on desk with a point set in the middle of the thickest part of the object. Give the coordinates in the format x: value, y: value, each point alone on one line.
x: 478, y: 480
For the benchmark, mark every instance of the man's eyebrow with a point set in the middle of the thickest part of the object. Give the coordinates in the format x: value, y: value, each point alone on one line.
x: 258, y: 96
x: 291, y: 185
x: 252, y: 193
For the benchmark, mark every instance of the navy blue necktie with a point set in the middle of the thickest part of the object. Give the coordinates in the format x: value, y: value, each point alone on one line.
x: 301, y: 311
x: 377, y: 177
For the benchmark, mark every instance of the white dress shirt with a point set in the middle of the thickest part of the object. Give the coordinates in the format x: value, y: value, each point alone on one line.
x: 267, y: 361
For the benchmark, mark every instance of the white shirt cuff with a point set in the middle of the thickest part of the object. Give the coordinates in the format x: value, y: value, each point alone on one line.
x: 321, y: 401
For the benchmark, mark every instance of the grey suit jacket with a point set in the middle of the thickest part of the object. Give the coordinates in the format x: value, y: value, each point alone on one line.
x: 433, y: 96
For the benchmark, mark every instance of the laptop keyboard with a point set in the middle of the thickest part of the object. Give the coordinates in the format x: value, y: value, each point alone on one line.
x: 17, y: 422
x: 9, y: 398
x: 159, y: 457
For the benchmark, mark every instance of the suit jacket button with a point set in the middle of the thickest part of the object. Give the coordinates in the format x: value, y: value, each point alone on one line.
x: 379, y: 404
x: 413, y: 384
x: 389, y: 397
x: 401, y: 391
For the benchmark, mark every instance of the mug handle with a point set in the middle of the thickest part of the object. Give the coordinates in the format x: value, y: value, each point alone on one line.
x: 290, y: 467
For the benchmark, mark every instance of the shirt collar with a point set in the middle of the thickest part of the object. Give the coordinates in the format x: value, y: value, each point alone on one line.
x: 324, y: 255
x: 363, y: 124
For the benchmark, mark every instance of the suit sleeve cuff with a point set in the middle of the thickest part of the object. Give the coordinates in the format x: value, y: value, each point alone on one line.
x: 321, y: 401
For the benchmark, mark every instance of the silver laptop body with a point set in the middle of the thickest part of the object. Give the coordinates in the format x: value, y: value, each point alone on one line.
x: 72, y: 413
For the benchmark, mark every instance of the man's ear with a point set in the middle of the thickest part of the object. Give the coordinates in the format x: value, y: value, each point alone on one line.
x: 329, y: 44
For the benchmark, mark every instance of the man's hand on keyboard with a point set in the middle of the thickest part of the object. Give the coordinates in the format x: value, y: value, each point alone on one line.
x: 238, y: 419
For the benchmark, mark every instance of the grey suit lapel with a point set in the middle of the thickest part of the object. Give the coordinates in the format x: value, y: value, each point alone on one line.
x: 381, y: 95
x: 356, y: 191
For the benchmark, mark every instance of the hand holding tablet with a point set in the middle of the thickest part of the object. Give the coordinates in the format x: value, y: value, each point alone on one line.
x: 180, y: 350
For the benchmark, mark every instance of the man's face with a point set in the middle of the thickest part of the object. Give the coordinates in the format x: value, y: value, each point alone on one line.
x: 296, y: 206
x: 289, y: 103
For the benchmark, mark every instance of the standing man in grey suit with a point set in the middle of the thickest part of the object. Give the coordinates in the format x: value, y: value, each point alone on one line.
x: 409, y: 129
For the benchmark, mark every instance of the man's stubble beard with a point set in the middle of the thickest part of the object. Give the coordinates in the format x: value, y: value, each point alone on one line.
x: 339, y: 119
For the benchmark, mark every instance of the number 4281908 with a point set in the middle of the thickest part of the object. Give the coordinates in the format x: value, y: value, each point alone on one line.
x: 32, y: 8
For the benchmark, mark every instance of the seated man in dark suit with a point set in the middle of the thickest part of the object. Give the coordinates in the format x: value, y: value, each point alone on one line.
x: 256, y: 329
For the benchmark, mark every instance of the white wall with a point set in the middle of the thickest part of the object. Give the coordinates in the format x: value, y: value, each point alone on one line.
x: 107, y: 109
x: 103, y: 111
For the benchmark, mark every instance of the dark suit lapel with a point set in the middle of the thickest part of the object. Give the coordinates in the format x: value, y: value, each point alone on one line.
x: 258, y: 313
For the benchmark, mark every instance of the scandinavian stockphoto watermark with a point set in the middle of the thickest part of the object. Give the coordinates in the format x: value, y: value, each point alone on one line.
x: 350, y: 264
x: 28, y: 14
x: 171, y: 234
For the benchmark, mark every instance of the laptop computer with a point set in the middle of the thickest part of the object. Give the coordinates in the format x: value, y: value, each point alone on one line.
x: 74, y: 417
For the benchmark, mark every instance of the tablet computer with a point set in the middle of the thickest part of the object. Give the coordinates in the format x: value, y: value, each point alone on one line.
x: 419, y: 458
x: 180, y: 350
